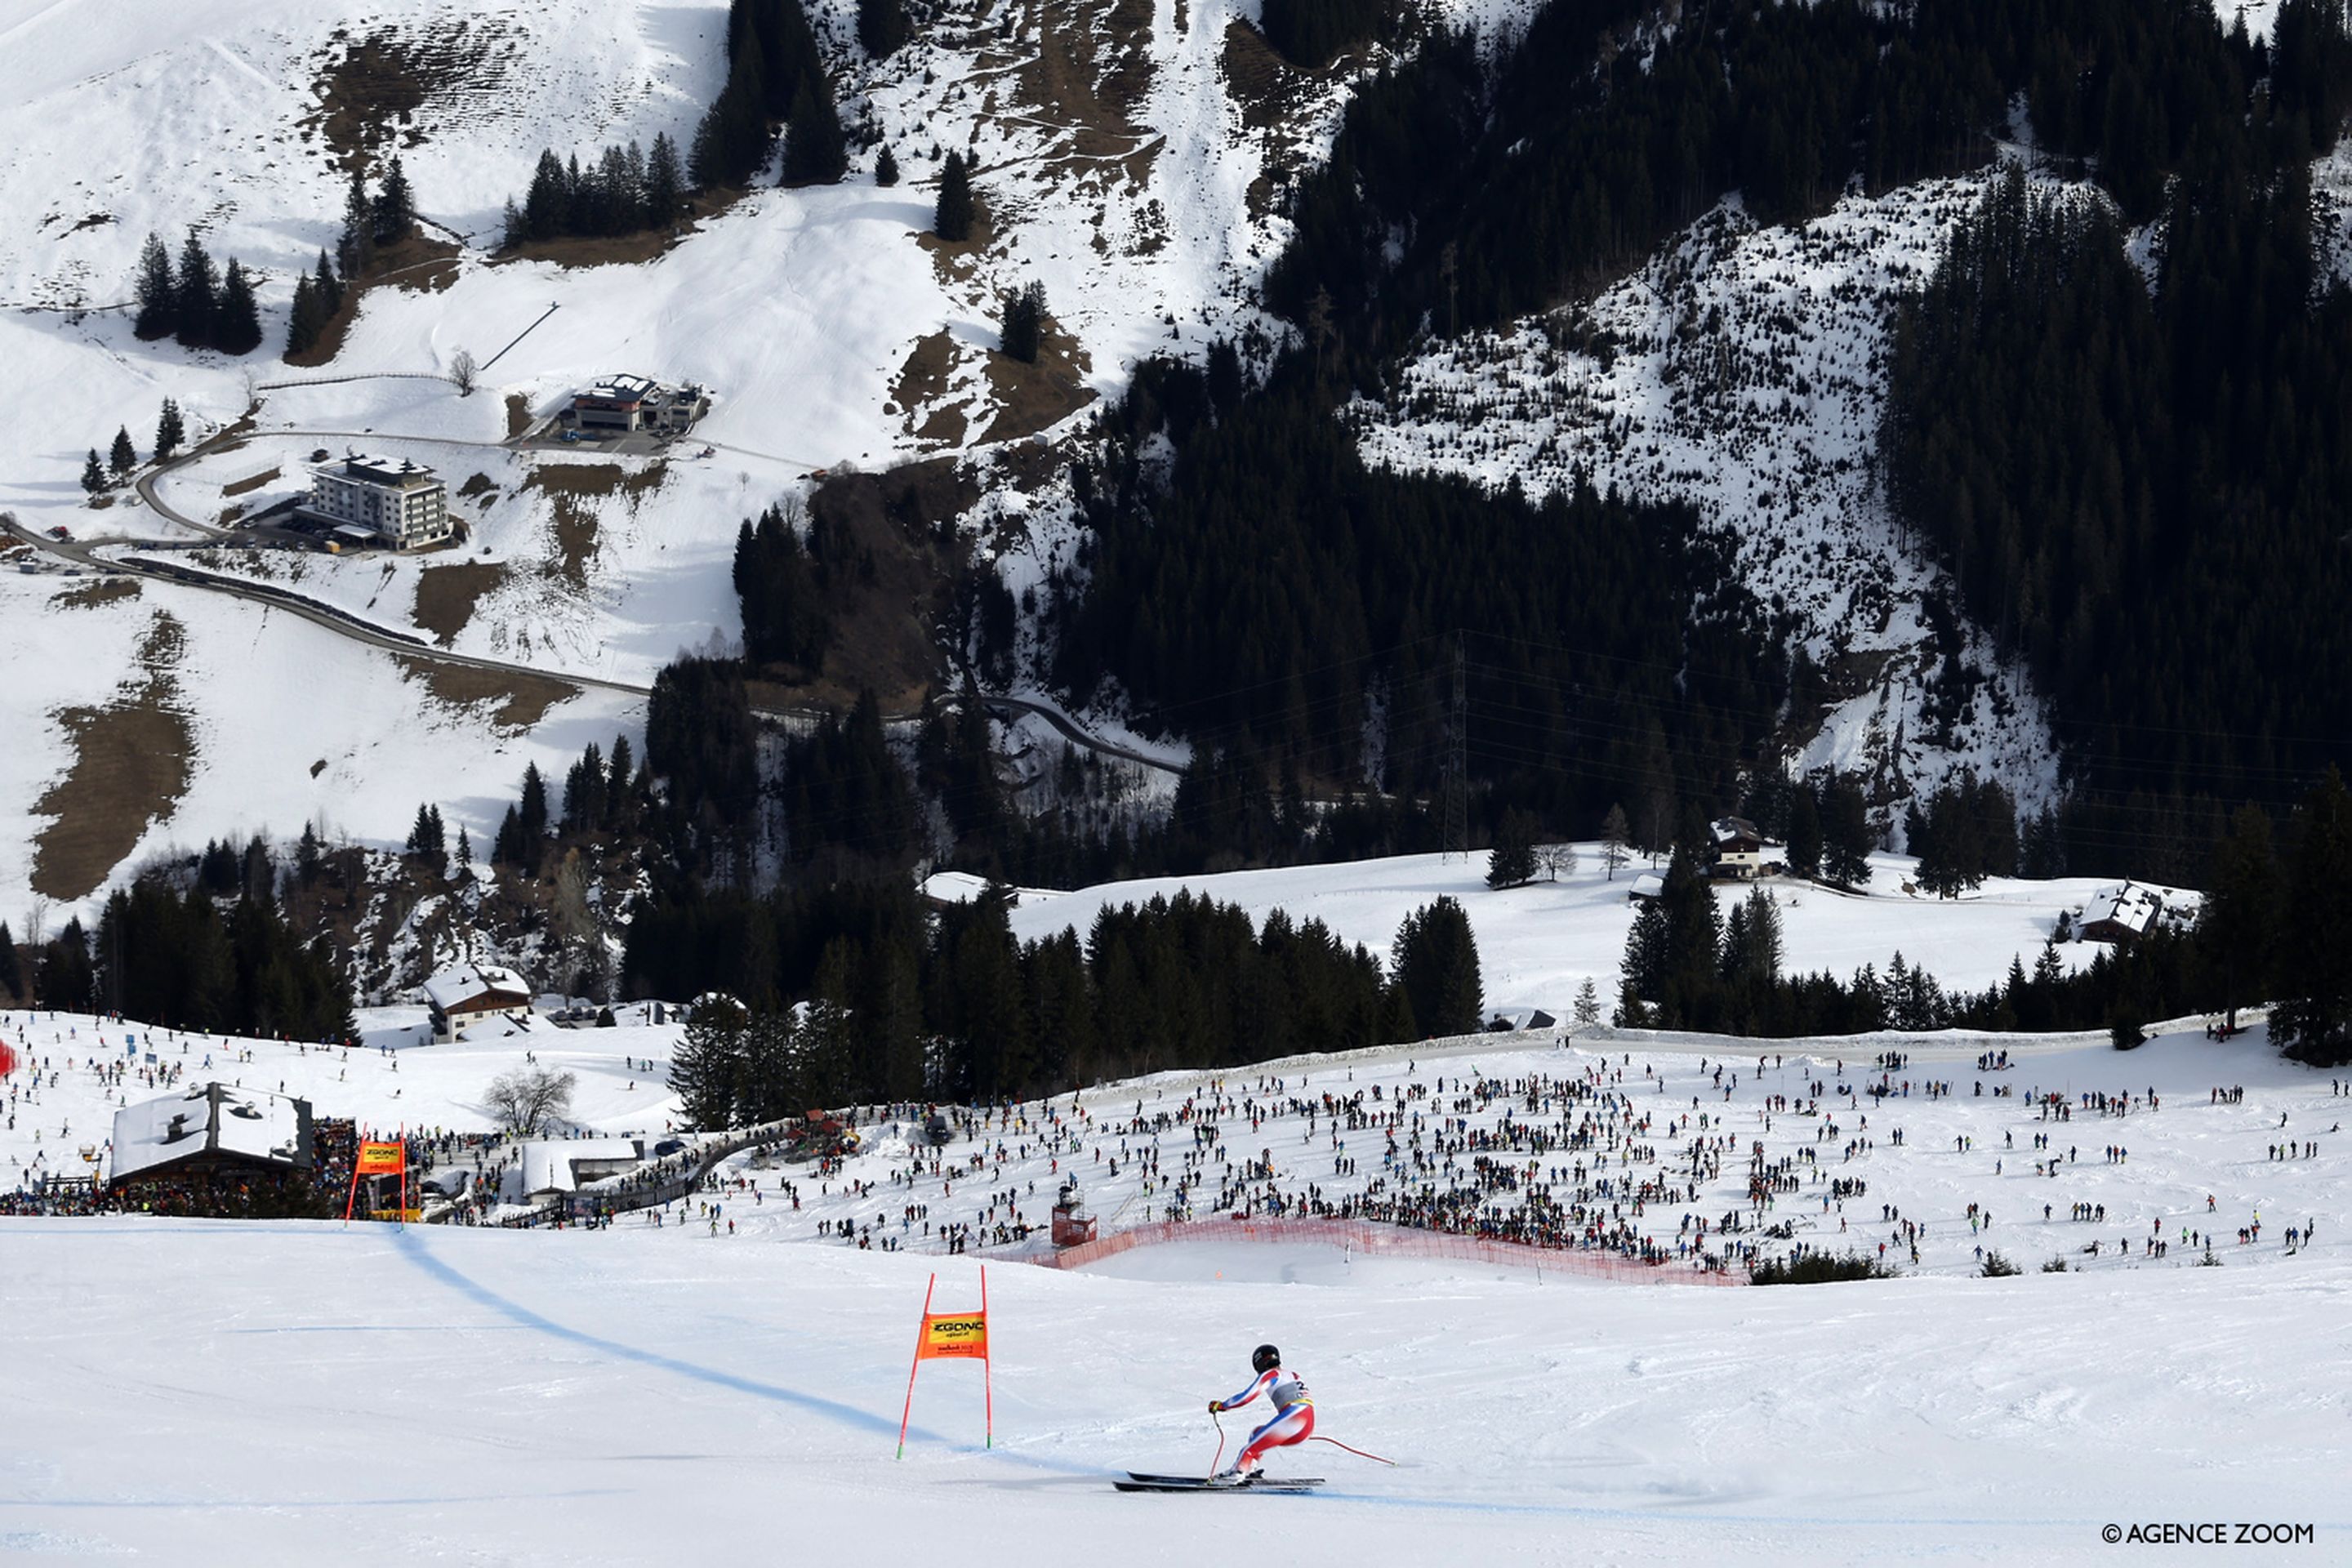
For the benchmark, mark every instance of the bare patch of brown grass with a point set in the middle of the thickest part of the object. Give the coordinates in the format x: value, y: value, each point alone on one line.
x: 922, y: 383
x: 447, y: 596
x: 510, y: 700
x: 90, y: 595
x: 1030, y: 397
x: 133, y: 760
x: 376, y: 92
x: 576, y: 489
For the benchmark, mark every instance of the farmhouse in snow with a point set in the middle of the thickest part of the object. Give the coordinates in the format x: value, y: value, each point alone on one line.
x: 2122, y: 916
x: 471, y: 994
x: 1740, y: 849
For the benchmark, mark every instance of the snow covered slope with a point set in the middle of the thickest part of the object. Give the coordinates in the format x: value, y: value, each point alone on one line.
x: 1745, y: 372
x: 600, y: 1397
x: 1130, y: 157
x: 143, y: 719
x: 1538, y: 944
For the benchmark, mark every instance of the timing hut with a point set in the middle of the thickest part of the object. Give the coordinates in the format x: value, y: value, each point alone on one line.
x: 211, y: 1129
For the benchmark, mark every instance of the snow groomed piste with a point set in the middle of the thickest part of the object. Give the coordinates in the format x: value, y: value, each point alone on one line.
x: 212, y: 1391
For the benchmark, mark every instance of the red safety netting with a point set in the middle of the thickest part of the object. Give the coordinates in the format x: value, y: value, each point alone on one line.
x: 1393, y: 1241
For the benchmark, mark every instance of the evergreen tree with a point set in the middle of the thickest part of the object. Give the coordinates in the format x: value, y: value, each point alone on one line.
x: 1643, y: 973
x: 123, y: 456
x: 508, y: 846
x: 1024, y: 323
x: 238, y: 329
x: 330, y: 287
x: 158, y: 291
x: 2314, y: 1023
x: 882, y: 26
x: 951, y: 219
x: 195, y: 293
x: 2238, y: 925
x: 66, y: 982
x: 307, y: 319
x: 547, y: 208
x: 532, y: 817
x: 465, y: 853
x: 1511, y: 863
x: 708, y: 1063
x: 1845, y: 832
x: 12, y: 976
x: 885, y: 167
x: 814, y: 150
x: 169, y: 431
x: 355, y: 249
x: 1755, y: 958
x: 395, y: 211
x: 665, y: 184
x: 1588, y: 1004
x: 620, y: 787
x: 1435, y: 962
x: 1804, y: 832
x: 93, y: 474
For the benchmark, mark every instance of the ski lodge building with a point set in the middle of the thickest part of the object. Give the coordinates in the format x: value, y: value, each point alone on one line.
x: 399, y: 501
x: 627, y: 404
x: 211, y: 1129
x: 471, y: 994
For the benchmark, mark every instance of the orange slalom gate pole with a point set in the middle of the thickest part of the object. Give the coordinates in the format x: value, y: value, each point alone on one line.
x: 921, y: 1327
x: 987, y: 1365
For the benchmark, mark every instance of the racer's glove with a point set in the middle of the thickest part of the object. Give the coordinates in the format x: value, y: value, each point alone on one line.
x: 1215, y: 1405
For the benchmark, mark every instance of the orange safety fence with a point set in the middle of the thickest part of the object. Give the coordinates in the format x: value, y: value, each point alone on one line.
x: 1394, y: 1241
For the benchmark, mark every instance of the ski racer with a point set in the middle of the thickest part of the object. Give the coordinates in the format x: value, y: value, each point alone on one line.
x: 1294, y: 1411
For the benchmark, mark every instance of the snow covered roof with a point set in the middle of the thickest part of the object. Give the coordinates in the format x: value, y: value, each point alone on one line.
x: 371, y: 466
x: 550, y: 1166
x: 1648, y: 885
x: 1730, y: 829
x: 621, y: 389
x: 487, y: 985
x: 2130, y: 908
x: 210, y: 1118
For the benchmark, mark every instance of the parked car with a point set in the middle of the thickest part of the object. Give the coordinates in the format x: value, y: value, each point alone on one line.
x: 63, y: 533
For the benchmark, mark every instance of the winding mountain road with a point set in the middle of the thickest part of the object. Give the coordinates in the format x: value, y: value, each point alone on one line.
x: 84, y: 553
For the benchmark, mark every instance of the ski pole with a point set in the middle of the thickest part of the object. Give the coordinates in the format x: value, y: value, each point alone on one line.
x: 1220, y: 1445
x: 1358, y: 1452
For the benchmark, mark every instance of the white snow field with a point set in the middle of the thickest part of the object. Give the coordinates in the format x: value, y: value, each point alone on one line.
x: 1125, y: 172
x: 1538, y: 943
x: 232, y: 1393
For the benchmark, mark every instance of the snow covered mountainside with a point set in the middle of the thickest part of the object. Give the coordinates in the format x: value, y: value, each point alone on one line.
x: 588, y: 1395
x: 1744, y: 370
x: 1130, y: 157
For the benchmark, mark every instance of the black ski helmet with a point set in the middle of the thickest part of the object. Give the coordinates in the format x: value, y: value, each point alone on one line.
x: 1264, y: 1357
